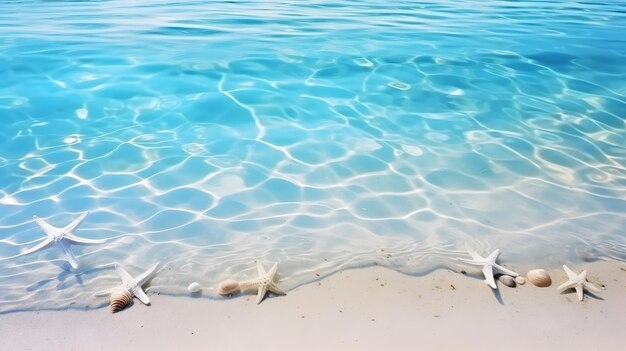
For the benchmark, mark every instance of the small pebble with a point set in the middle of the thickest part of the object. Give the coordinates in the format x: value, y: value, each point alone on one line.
x: 194, y: 287
x: 520, y: 280
x: 399, y: 86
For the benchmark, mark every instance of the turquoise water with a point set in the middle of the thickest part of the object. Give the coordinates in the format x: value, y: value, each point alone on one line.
x: 319, y: 134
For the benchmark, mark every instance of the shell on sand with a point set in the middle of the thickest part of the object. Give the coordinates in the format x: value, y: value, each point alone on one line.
x: 539, y: 277
x: 507, y: 280
x: 194, y: 288
x: 520, y: 280
x: 228, y: 286
x: 120, y: 299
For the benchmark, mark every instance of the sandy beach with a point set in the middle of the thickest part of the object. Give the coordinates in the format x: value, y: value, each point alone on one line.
x: 363, y: 309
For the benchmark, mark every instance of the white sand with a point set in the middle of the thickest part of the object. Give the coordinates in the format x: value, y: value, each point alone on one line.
x: 366, y: 309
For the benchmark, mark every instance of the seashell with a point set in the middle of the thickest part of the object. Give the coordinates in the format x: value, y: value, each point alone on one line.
x: 228, y: 287
x: 194, y: 288
x: 507, y: 280
x: 539, y: 277
x: 520, y: 280
x: 119, y: 300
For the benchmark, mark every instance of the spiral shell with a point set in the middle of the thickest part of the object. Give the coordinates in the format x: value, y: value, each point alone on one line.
x: 120, y: 299
x: 228, y: 287
x: 539, y: 277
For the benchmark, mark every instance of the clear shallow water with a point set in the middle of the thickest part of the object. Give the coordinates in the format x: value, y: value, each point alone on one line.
x: 320, y: 134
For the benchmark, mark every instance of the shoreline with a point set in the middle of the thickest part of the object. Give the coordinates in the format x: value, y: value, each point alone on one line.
x: 359, y: 309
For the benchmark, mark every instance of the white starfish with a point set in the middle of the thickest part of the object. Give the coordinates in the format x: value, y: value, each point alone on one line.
x: 578, y: 282
x: 489, y: 265
x: 132, y: 285
x: 62, y: 237
x: 262, y: 284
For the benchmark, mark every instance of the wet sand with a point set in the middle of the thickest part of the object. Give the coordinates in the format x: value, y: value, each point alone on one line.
x: 364, y: 309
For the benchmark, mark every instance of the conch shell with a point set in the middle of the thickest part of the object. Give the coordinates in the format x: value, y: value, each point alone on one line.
x: 120, y: 298
x: 228, y: 287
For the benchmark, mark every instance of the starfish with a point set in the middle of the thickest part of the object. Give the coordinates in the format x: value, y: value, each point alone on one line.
x: 62, y: 237
x: 578, y: 282
x: 489, y: 265
x: 264, y: 283
x: 132, y: 285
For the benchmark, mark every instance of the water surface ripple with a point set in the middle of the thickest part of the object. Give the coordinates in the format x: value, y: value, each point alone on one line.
x: 320, y: 134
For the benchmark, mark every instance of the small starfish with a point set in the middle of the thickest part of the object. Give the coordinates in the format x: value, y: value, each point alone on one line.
x: 489, y: 265
x: 63, y: 237
x: 264, y: 283
x: 132, y: 285
x: 578, y: 282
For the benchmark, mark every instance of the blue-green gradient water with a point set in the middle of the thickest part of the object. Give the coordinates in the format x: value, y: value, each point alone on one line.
x: 321, y: 134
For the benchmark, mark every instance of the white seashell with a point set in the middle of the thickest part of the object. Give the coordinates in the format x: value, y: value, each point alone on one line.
x: 119, y: 300
x: 539, y: 277
x: 228, y: 287
x: 520, y: 280
x: 507, y: 280
x: 194, y: 288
